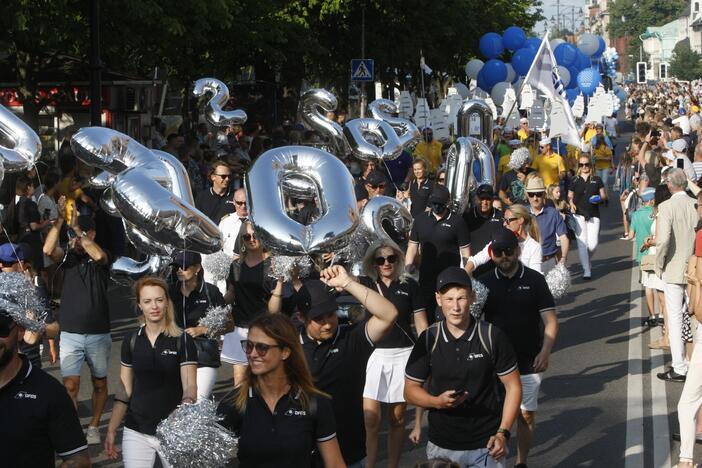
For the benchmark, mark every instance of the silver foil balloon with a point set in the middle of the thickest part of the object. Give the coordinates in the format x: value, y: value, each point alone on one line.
x: 299, y: 186
x: 483, y: 156
x: 144, y: 243
x: 25, y: 146
x: 108, y: 149
x: 314, y: 104
x: 474, y: 119
x: 357, y: 132
x: 381, y: 209
x: 265, y: 198
x: 125, y: 270
x: 407, y: 132
x: 102, y: 180
x: 175, y: 178
x: 460, y: 180
x: 220, y: 96
x: 107, y: 204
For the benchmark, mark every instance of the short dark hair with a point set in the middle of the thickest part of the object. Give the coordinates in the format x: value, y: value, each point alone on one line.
x: 22, y: 184
x: 171, y: 137
x: 50, y: 180
x: 216, y: 164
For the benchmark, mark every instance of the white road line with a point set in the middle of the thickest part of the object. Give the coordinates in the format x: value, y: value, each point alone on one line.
x: 659, y: 412
x: 634, y: 452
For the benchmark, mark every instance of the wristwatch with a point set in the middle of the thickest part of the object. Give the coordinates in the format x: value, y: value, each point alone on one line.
x: 504, y: 432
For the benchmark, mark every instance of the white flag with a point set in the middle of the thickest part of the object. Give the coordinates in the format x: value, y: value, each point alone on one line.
x: 543, y: 75
x: 424, y: 66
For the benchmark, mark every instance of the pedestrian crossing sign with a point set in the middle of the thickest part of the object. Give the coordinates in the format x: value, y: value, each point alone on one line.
x: 362, y: 70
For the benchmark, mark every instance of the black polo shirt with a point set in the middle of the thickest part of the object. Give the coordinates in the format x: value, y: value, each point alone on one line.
x: 515, y: 305
x: 38, y: 420
x: 284, y: 437
x: 440, y: 241
x: 406, y: 297
x: 196, y: 304
x: 419, y: 194
x: 582, y: 191
x: 252, y: 289
x: 215, y: 206
x: 338, y: 367
x: 84, y: 305
x: 157, y: 386
x: 360, y: 189
x: 462, y: 364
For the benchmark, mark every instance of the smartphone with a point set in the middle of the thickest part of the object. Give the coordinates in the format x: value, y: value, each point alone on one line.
x: 458, y: 393
x: 680, y: 163
x: 71, y: 233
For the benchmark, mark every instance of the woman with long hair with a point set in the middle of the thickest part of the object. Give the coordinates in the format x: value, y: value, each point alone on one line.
x: 158, y: 372
x: 420, y: 187
x: 276, y: 410
x: 383, y: 267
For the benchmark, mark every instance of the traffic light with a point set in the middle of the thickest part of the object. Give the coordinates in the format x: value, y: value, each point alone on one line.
x: 663, y: 71
x: 640, y: 72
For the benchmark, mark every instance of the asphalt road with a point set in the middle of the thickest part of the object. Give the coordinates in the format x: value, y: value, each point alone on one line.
x: 599, y: 405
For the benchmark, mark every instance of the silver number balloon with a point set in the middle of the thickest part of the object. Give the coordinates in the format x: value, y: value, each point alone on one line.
x: 474, y: 119
x: 357, y: 132
x: 459, y: 173
x: 25, y: 146
x: 108, y: 149
x: 213, y: 109
x: 334, y: 186
x: 407, y: 132
x: 314, y: 104
x: 483, y: 156
x: 380, y: 209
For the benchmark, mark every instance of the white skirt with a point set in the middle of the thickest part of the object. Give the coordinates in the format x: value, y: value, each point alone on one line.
x: 385, y: 375
x: 650, y: 280
x: 232, y: 353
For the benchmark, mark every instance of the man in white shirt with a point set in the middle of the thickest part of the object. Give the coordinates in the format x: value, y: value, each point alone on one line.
x: 230, y: 224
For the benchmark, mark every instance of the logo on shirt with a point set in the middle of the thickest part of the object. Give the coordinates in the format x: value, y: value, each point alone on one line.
x: 201, y: 301
x: 472, y: 356
x: 167, y: 352
x: 523, y: 288
x: 22, y: 395
x: 292, y: 412
x: 401, y: 293
x: 445, y: 224
x: 333, y: 350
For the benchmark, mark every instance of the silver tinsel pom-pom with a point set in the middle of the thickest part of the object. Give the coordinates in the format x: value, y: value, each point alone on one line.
x: 481, y: 294
x: 558, y: 280
x: 217, y: 265
x: 19, y: 298
x: 191, y: 437
x: 216, y: 320
x: 518, y: 158
x: 283, y: 266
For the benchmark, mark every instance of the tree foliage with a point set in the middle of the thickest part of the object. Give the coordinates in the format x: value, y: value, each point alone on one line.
x: 686, y: 64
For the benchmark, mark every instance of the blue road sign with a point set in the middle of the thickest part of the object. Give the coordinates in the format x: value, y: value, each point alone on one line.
x: 362, y: 70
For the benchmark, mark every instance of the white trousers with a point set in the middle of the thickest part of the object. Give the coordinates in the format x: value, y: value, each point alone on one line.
x: 588, y: 236
x: 206, y: 378
x: 674, y: 297
x: 140, y: 450
x: 690, y: 401
x: 466, y: 458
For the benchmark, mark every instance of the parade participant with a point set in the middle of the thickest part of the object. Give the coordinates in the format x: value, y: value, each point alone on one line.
x: 550, y: 165
x: 276, y: 411
x: 215, y: 201
x: 444, y: 240
x: 248, y: 290
x: 583, y: 195
x: 511, y: 188
x: 230, y: 225
x: 157, y: 373
x: 462, y: 359
x: 551, y: 225
x: 192, y: 296
x: 38, y: 417
x: 84, y: 314
x: 602, y: 151
x: 338, y: 354
x: 482, y: 221
x: 367, y: 167
x: 374, y: 186
x: 429, y: 150
x: 383, y: 266
x: 29, y: 222
x: 520, y: 304
x: 420, y: 188
x: 640, y: 229
x: 523, y: 132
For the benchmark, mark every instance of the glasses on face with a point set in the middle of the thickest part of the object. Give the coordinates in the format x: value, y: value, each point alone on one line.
x: 261, y: 348
x: 223, y: 176
x: 536, y: 194
x: 249, y: 237
x: 501, y: 251
x: 240, y: 203
x: 391, y: 259
x: 442, y: 179
x: 587, y: 164
x: 6, y: 327
x: 376, y: 187
x: 510, y: 220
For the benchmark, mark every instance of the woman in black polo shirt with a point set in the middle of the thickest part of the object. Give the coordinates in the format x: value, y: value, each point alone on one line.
x: 420, y: 187
x: 158, y: 372
x: 385, y: 371
x: 278, y: 414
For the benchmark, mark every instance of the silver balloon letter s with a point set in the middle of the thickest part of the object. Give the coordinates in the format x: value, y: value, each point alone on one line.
x: 407, y: 132
x: 26, y: 146
x: 459, y: 174
x: 311, y: 102
x: 220, y: 96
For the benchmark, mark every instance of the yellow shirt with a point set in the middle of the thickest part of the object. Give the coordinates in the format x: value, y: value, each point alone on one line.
x: 589, y: 133
x: 603, y: 157
x: 572, y: 155
x: 522, y: 134
x: 549, y: 167
x: 431, y: 152
x: 502, y: 164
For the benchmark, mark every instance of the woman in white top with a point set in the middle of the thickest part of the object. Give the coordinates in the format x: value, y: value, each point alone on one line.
x: 519, y: 220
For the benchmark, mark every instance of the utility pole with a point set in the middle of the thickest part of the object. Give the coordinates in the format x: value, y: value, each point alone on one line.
x: 558, y: 15
x: 363, y: 56
x: 95, y: 65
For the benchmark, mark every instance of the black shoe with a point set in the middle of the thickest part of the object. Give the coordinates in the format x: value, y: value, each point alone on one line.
x: 671, y: 376
x: 698, y: 438
x: 661, y: 320
x: 520, y: 465
x: 650, y: 322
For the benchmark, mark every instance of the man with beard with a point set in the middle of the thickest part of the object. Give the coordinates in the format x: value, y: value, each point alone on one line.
x: 38, y: 417
x: 520, y: 304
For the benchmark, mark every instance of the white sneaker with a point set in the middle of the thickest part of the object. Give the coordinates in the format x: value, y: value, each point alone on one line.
x: 93, y: 435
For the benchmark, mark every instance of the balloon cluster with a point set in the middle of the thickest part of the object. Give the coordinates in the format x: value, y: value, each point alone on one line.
x: 610, y: 57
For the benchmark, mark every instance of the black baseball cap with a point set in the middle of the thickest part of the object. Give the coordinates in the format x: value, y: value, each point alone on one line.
x: 485, y: 191
x: 503, y: 238
x: 315, y: 299
x: 453, y: 276
x: 186, y: 259
x: 440, y: 195
x: 375, y: 178
x: 86, y: 223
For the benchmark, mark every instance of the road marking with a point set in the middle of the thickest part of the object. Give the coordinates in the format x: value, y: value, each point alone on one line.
x: 634, y: 453
x: 659, y: 412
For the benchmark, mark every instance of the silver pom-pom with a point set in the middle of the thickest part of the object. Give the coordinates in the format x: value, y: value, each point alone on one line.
x: 216, y: 319
x: 518, y: 158
x: 19, y: 298
x: 558, y: 280
x: 481, y: 294
x: 217, y: 265
x: 283, y: 266
x: 191, y: 437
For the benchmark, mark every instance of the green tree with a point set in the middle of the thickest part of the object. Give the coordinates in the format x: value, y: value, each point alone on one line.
x: 686, y: 64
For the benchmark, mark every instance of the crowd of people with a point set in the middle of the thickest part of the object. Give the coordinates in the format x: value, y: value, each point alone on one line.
x: 315, y: 359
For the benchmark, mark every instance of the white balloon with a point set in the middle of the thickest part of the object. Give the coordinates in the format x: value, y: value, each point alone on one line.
x: 473, y: 68
x: 556, y: 42
x: 588, y: 44
x: 564, y: 74
x: 498, y: 92
x: 462, y: 89
x: 511, y: 74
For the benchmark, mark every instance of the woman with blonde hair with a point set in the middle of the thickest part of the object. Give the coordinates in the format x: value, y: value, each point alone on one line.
x: 281, y: 418
x: 158, y: 372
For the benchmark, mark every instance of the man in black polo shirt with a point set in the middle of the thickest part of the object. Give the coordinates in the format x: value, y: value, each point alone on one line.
x: 482, y: 220
x: 338, y: 354
x: 216, y: 201
x: 462, y: 359
x: 374, y: 185
x: 520, y: 304
x: 441, y: 238
x: 38, y: 417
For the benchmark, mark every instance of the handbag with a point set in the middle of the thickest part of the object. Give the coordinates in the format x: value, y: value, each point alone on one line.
x: 207, y: 352
x: 648, y: 262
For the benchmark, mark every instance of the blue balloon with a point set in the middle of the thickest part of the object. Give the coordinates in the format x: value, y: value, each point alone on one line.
x: 588, y: 80
x: 522, y: 59
x: 513, y: 38
x: 573, y: 78
x: 481, y: 81
x: 491, y: 45
x: 533, y: 43
x: 566, y: 54
x: 571, y: 94
x: 601, y: 48
x: 494, y: 71
x: 583, y: 61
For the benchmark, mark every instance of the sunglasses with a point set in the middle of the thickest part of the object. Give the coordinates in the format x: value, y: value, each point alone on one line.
x: 584, y: 164
x: 509, y: 220
x: 391, y: 259
x: 375, y: 187
x: 499, y: 252
x: 6, y: 327
x: 442, y: 179
x: 240, y: 203
x: 223, y: 176
x: 261, y: 348
x: 249, y: 237
x: 536, y: 194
